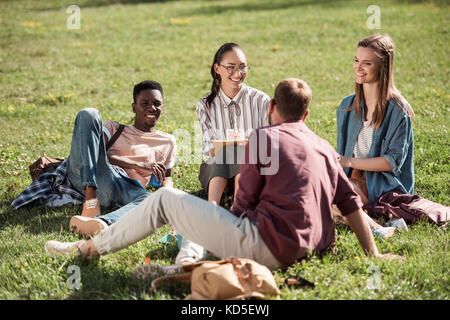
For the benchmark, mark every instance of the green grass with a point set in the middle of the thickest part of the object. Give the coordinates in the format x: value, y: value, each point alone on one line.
x: 48, y: 73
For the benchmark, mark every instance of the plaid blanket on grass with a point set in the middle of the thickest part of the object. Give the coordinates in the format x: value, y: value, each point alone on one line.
x: 51, y: 189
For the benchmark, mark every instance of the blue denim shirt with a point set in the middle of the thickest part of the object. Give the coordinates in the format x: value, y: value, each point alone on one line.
x: 394, y: 140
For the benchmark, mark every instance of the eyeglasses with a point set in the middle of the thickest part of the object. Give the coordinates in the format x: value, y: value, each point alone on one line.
x: 231, y: 69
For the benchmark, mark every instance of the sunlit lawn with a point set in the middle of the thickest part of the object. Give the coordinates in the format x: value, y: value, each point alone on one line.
x: 49, y: 72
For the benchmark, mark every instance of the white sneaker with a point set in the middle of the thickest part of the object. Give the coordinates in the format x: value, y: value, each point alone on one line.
x: 190, y: 252
x: 398, y: 224
x: 87, y: 226
x: 55, y: 248
x: 384, y: 232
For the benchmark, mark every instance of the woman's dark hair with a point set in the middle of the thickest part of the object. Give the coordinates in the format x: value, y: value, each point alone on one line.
x: 146, y: 85
x: 216, y: 77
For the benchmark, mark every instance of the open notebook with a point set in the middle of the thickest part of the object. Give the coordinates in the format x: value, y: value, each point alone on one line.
x: 218, y: 144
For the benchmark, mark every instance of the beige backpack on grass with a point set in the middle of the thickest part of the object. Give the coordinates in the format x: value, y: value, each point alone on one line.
x: 229, y: 279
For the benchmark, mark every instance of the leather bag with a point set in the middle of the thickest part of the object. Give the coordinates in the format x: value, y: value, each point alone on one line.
x: 229, y: 279
x: 47, y: 164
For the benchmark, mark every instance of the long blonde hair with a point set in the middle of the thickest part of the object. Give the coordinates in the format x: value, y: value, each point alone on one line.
x: 383, y: 47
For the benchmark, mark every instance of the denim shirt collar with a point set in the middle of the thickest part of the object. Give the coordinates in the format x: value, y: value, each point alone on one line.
x: 396, y: 146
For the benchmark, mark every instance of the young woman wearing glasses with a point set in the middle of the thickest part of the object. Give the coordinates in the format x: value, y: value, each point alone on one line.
x: 230, y: 111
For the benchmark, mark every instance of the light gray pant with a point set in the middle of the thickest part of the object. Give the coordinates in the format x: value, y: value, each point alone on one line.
x: 208, y: 225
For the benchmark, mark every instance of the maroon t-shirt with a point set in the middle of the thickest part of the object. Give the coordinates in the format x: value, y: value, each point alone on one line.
x: 289, y: 192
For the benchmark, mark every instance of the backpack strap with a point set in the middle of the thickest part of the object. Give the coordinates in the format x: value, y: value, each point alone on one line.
x: 184, y: 277
x: 298, y: 282
x: 172, y: 278
x: 115, y: 136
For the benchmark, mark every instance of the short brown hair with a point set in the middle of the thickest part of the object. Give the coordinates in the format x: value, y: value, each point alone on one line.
x: 292, y: 97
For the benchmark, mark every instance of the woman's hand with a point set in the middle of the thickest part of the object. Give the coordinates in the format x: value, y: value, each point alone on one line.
x: 344, y: 161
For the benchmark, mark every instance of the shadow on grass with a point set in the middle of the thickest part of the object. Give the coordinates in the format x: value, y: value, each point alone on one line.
x: 99, y: 282
x: 226, y: 201
x: 102, y: 3
x: 165, y: 251
x: 259, y: 6
x: 200, y: 194
x: 205, y: 9
x: 38, y: 219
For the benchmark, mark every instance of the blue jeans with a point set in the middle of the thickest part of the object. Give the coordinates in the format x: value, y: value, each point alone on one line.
x: 88, y: 166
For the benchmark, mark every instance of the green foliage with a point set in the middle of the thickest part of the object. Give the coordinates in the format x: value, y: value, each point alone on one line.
x: 48, y: 73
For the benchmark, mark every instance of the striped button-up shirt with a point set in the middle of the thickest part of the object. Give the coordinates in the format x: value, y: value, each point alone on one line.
x: 247, y: 111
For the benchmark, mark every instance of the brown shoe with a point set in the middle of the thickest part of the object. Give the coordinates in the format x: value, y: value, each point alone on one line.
x: 87, y: 226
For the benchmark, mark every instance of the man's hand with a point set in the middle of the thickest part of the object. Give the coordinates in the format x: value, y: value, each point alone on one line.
x: 159, y: 169
x: 361, y: 228
x: 145, y: 169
